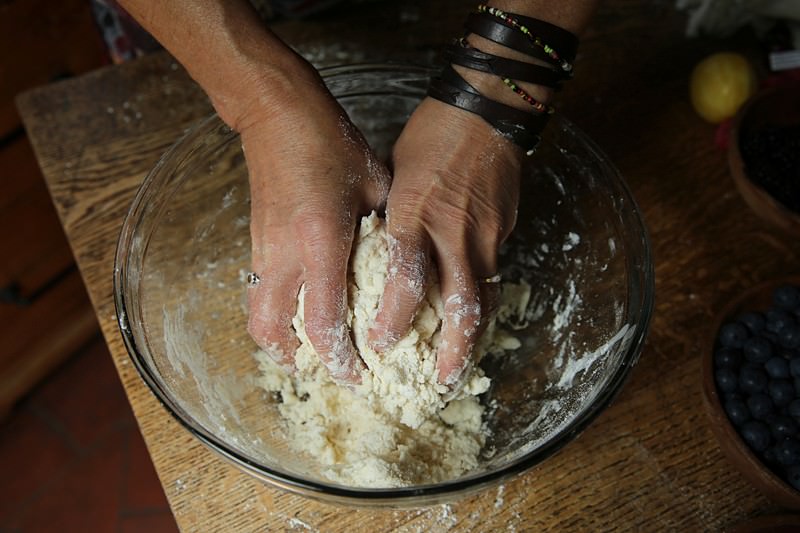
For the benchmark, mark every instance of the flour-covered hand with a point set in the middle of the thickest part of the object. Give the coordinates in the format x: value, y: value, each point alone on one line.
x: 453, y: 200
x: 312, y: 177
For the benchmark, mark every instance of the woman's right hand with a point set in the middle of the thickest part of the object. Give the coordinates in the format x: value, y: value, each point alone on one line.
x: 312, y: 176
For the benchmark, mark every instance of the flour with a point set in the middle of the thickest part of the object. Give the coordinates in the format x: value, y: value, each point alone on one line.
x: 395, y: 428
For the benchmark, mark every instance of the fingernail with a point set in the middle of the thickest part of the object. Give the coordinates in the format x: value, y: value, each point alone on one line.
x: 457, y: 379
x: 279, y: 358
x: 382, y: 341
x: 345, y: 367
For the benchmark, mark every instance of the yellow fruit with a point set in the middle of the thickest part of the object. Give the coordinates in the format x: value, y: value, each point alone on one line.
x: 720, y: 84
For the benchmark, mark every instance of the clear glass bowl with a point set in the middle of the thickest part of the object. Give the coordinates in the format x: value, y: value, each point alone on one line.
x: 180, y: 295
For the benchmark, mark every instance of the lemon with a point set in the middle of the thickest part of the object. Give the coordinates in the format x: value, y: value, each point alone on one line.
x: 720, y: 84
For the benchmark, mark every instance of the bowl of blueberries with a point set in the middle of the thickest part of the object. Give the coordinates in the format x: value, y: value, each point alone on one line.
x: 751, y: 380
x: 764, y: 155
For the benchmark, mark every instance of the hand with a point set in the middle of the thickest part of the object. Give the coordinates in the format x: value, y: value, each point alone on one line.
x: 454, y: 199
x: 312, y: 177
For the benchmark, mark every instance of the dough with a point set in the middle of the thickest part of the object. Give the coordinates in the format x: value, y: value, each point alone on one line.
x: 394, y: 429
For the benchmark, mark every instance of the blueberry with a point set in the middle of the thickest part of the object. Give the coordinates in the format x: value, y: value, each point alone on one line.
x: 726, y: 380
x: 760, y: 406
x: 788, y: 452
x: 757, y: 349
x: 777, y: 367
x: 754, y: 321
x: 727, y: 357
x: 777, y: 319
x: 797, y: 387
x: 756, y: 434
x: 752, y: 379
x: 732, y: 335
x: 794, y: 366
x: 737, y: 411
x: 786, y: 297
x: 794, y: 409
x: 789, y: 336
x: 793, y: 476
x: 770, y: 455
x: 782, y: 426
x: 735, y: 395
x: 781, y: 391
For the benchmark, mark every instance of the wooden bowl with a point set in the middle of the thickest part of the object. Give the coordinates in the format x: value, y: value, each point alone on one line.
x: 785, y: 523
x: 776, y: 106
x: 758, y: 298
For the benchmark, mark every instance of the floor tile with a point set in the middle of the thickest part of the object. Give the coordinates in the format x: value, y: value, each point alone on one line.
x: 85, y: 398
x: 158, y: 522
x: 30, y: 456
x: 85, y: 497
x: 142, y: 490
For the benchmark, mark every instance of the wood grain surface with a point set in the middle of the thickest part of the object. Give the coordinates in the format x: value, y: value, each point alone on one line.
x: 650, y: 461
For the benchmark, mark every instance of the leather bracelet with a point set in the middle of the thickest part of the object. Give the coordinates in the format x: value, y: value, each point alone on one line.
x: 565, y: 42
x: 493, y: 29
x: 520, y: 127
x: 464, y: 55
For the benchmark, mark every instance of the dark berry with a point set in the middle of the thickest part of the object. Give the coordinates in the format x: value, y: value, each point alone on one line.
x: 737, y: 411
x: 794, y: 366
x: 752, y: 379
x: 777, y: 368
x: 786, y: 297
x: 793, y: 476
x: 756, y: 434
x: 757, y: 349
x: 760, y: 406
x: 777, y: 319
x: 726, y: 379
x: 781, y: 391
x: 789, y: 336
x: 794, y: 409
x: 732, y: 335
x: 788, y: 452
x: 782, y: 426
x: 735, y: 395
x: 770, y: 456
x: 754, y: 321
x: 727, y: 357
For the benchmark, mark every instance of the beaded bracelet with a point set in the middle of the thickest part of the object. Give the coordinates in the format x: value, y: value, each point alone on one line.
x: 461, y: 53
x: 555, y: 46
x: 536, y: 104
x: 496, y: 30
x: 520, y: 127
x: 521, y: 23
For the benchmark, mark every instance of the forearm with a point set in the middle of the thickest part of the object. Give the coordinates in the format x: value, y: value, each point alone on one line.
x: 226, y: 48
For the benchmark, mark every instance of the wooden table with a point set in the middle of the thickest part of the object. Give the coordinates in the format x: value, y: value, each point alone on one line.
x: 647, y: 463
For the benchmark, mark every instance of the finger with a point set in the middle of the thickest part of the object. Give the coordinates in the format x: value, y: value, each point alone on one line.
x: 490, y: 301
x: 406, y: 283
x: 462, y: 318
x: 378, y: 180
x: 326, y: 313
x: 272, y: 304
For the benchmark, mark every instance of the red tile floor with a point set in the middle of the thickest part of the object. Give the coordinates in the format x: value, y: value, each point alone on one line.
x: 72, y: 457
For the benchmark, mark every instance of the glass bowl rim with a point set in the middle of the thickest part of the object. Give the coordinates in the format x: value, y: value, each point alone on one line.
x: 367, y: 496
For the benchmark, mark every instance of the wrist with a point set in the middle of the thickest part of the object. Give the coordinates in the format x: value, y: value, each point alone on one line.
x: 263, y: 91
x: 493, y: 86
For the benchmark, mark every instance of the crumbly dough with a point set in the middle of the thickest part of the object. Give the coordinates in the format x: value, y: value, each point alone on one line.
x: 396, y: 428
